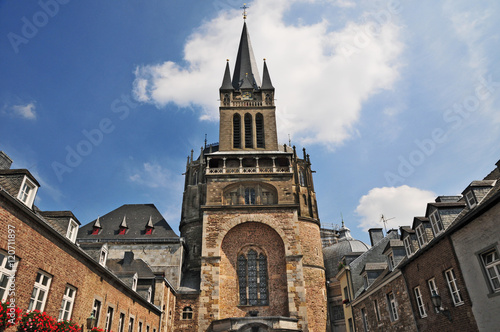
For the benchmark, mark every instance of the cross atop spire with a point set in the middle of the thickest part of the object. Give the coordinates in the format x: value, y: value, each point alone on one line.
x: 244, y: 11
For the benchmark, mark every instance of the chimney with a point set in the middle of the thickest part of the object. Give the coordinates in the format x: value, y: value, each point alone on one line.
x: 128, y: 257
x: 376, y: 234
x: 5, y: 161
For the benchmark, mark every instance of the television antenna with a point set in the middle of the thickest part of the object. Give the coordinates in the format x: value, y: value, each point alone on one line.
x: 384, y: 220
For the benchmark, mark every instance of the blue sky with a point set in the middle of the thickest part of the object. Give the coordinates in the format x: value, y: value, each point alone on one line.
x: 396, y: 102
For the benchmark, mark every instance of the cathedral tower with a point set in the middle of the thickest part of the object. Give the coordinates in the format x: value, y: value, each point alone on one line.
x: 250, y: 221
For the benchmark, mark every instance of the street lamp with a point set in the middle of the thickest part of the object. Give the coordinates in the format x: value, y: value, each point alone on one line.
x: 436, y: 301
x: 91, y: 321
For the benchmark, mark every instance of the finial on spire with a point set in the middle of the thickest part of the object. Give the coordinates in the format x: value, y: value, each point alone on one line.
x: 244, y: 11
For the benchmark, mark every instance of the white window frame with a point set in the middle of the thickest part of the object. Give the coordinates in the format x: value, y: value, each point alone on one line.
x: 103, y: 255
x: 67, y: 303
x: 421, y: 236
x: 131, y: 322
x: 150, y: 293
x: 72, y: 230
x: 408, y: 245
x: 471, y: 199
x: 433, y: 289
x: 134, y: 281
x: 436, y: 222
x: 420, y: 302
x: 453, y: 287
x: 492, y: 268
x: 27, y: 197
x: 392, y: 306
x: 96, y: 309
x: 42, y: 284
x: 121, y: 322
x: 109, y: 319
x: 390, y: 260
x: 7, y: 272
x: 365, y: 280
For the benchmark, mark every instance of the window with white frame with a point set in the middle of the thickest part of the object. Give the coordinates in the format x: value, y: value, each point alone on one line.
x: 390, y: 260
x: 491, y: 264
x: 96, y: 311
x: 421, y: 237
x: 103, y: 255
x: 393, y: 306
x: 8, y: 265
x: 437, y: 224
x: 72, y: 230
x: 131, y: 325
x: 452, y: 285
x: 109, y: 319
x: 471, y: 199
x: 134, y: 282
x: 420, y: 302
x: 27, y: 192
x: 150, y: 293
x: 364, y: 317
x: 408, y: 246
x: 40, y: 291
x: 67, y: 303
x: 433, y: 289
x: 121, y: 322
x: 377, y: 310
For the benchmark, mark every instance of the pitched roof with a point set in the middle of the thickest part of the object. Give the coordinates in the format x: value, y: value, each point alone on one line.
x: 137, y: 217
x: 266, y: 79
x: 226, y: 81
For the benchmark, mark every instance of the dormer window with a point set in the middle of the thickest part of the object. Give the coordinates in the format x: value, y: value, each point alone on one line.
x: 103, y: 255
x: 150, y: 294
x: 390, y: 261
x: 72, y: 230
x: 437, y: 224
x: 421, y: 237
x: 134, y: 282
x: 471, y: 199
x: 27, y: 192
x: 408, y: 246
x: 149, y: 230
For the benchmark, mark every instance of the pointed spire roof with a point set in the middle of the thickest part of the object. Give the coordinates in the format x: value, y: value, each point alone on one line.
x: 266, y: 79
x: 97, y: 223
x: 245, y: 74
x: 124, y: 222
x: 150, y: 222
x: 226, y: 81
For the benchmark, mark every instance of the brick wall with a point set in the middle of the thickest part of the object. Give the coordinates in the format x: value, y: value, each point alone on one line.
x: 37, y: 248
x: 432, y: 264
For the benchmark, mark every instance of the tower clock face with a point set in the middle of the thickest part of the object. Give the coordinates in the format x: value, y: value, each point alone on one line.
x: 246, y: 95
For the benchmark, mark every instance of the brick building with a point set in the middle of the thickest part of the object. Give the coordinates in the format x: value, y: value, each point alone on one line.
x: 250, y: 220
x: 53, y: 274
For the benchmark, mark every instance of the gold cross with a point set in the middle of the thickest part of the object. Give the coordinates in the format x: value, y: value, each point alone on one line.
x: 244, y: 11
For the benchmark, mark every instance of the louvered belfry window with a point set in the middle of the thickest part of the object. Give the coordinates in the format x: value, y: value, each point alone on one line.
x: 248, y: 131
x: 236, y: 131
x: 259, y: 126
x: 252, y: 278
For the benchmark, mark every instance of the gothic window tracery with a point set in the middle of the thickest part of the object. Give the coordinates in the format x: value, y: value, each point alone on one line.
x: 252, y: 278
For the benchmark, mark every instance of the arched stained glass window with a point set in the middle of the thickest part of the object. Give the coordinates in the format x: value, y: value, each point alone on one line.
x: 236, y: 131
x: 248, y: 131
x: 252, y: 279
x: 259, y: 127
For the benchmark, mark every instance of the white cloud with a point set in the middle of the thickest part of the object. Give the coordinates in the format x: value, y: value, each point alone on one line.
x: 25, y: 111
x: 152, y: 175
x: 399, y: 203
x: 322, y: 77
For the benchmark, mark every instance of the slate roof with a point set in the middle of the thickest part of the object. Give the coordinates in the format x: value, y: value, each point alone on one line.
x: 245, y: 73
x: 11, y: 180
x: 137, y: 216
x: 121, y: 268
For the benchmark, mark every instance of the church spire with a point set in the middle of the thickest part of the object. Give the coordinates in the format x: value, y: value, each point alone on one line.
x: 246, y: 75
x: 226, y: 81
x: 266, y: 79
